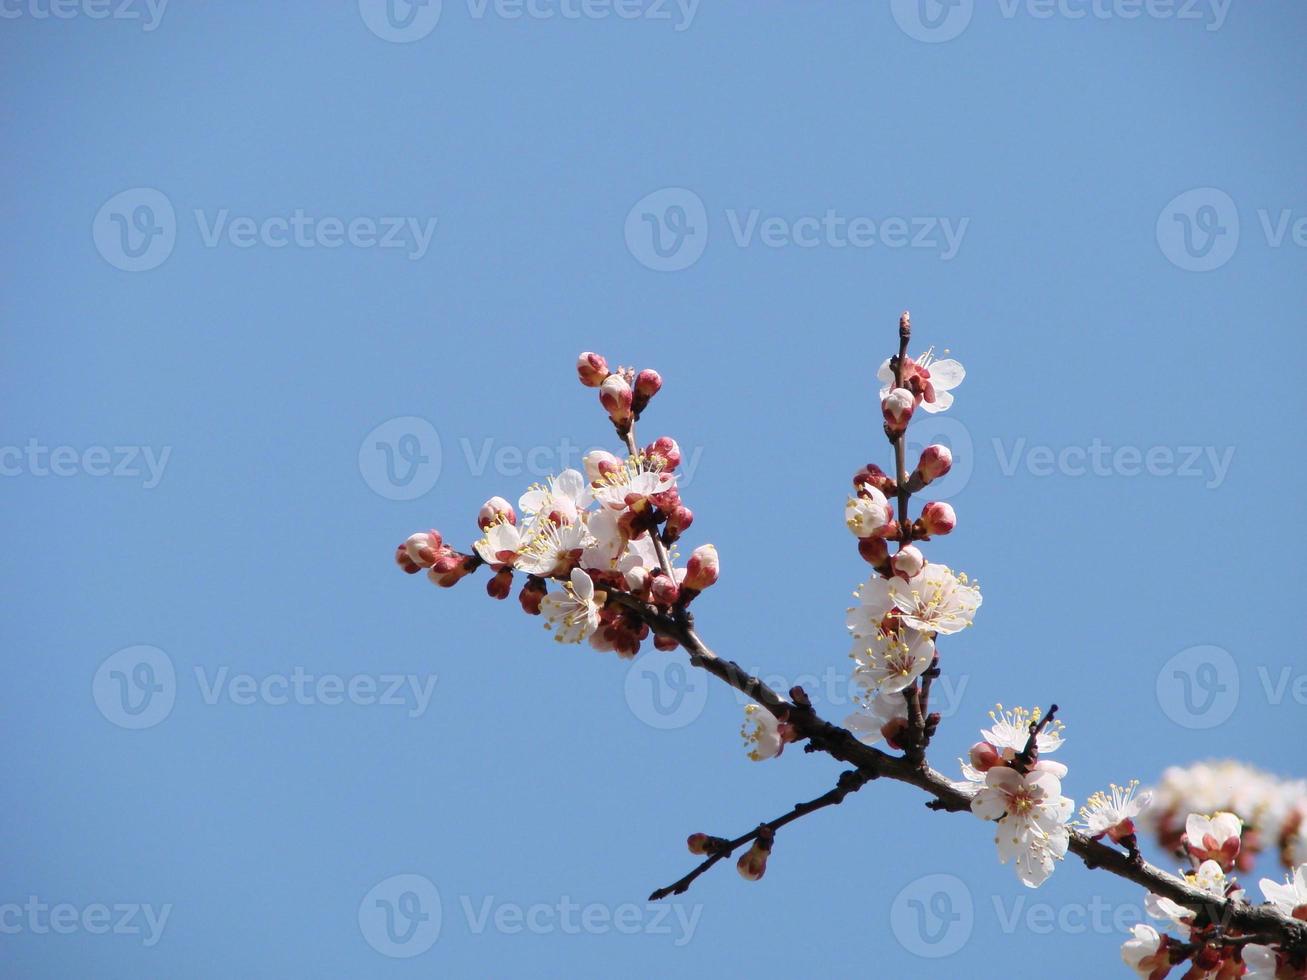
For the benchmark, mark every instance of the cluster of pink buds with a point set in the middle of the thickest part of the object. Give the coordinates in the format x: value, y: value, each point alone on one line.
x: 444, y: 565
x: 624, y: 393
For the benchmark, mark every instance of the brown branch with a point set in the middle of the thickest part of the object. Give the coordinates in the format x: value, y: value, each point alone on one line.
x: 945, y: 795
x: 850, y: 781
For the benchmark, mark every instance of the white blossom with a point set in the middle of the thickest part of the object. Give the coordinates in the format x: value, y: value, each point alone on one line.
x: 573, y: 611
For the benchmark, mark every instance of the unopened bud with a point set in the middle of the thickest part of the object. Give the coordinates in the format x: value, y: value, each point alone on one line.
x: 905, y: 324
x: 599, y: 464
x: 753, y: 862
x: 677, y: 521
x: 592, y: 369
x: 872, y: 475
x: 937, y: 517
x: 616, y: 397
x: 532, y: 592
x: 495, y: 510
x: 663, y: 590
x: 935, y: 461
x: 405, y: 562
x: 897, y: 408
x: 647, y: 384
x: 424, y: 547
x: 448, y: 569
x: 984, y: 757
x: 908, y: 562
x: 874, y: 550
x: 702, y: 569
x: 500, y: 584
x: 664, y: 449
x: 665, y: 643
x: 698, y: 843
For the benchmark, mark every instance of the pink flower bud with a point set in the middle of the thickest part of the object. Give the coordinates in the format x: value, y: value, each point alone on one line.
x: 753, y: 862
x: 663, y: 590
x: 908, y: 562
x: 664, y: 448
x: 647, y: 383
x: 874, y: 551
x: 616, y: 397
x: 532, y: 592
x: 872, y: 475
x: 493, y: 511
x: 984, y: 757
x: 424, y: 547
x: 897, y: 408
x: 935, y: 461
x: 599, y: 464
x: 665, y: 643
x: 702, y: 569
x: 592, y: 369
x: 697, y: 843
x: 677, y: 522
x: 500, y: 584
x: 448, y: 569
x: 405, y: 562
x: 937, y: 518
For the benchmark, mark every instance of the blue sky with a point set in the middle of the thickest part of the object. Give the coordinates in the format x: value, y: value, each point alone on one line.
x: 244, y: 241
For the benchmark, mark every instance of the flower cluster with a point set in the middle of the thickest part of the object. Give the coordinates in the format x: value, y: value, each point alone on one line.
x: 1273, y: 811
x: 1022, y: 791
x: 600, y: 536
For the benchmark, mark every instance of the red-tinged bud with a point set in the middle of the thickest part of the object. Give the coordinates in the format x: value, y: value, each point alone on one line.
x: 935, y: 461
x: 494, y: 510
x: 500, y: 584
x: 448, y: 569
x: 897, y: 408
x: 665, y: 449
x: 753, y: 862
x: 599, y: 464
x: 937, y: 518
x: 424, y: 548
x: 698, y: 843
x: 532, y: 592
x: 702, y: 569
x: 592, y: 369
x: 616, y: 397
x: 678, y: 521
x: 905, y: 324
x: 647, y: 384
x: 668, y: 500
x: 984, y: 757
x: 874, y: 551
x: 908, y: 562
x: 893, y: 731
x: 665, y: 643
x: 663, y: 590
x: 405, y: 562
x: 872, y: 475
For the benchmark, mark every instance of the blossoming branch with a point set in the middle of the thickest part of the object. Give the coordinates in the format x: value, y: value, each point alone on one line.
x: 598, y: 553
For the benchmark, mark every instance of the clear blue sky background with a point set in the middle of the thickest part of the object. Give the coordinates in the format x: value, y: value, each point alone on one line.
x: 534, y: 773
